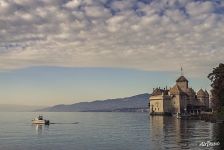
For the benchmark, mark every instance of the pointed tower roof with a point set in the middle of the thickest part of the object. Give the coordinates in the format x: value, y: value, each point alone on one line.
x: 206, y: 93
x: 201, y: 93
x: 181, y: 79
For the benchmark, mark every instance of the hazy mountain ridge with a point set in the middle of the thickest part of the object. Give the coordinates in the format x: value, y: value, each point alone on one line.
x: 119, y: 104
x: 18, y: 108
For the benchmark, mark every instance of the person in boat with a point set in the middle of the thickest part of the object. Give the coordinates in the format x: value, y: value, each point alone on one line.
x: 40, y: 117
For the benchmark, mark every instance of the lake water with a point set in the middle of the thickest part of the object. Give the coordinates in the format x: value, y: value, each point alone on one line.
x: 105, y: 131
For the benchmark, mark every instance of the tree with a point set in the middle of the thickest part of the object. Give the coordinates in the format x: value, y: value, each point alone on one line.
x: 217, y: 79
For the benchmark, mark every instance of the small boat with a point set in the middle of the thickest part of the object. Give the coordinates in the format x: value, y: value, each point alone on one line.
x: 40, y: 120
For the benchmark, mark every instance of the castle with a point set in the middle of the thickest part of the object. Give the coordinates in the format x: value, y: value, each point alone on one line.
x: 178, y: 99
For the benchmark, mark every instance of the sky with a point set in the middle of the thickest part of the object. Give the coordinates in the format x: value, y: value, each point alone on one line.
x: 67, y: 51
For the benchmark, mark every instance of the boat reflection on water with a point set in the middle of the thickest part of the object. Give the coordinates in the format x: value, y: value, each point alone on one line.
x: 40, y: 128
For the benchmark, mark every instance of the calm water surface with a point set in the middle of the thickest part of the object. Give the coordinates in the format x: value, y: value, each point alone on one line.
x: 105, y: 131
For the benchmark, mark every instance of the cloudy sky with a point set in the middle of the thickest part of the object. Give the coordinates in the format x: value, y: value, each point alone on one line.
x: 119, y: 46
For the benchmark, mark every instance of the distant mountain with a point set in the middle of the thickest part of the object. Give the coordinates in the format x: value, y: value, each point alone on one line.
x: 18, y: 108
x: 134, y: 103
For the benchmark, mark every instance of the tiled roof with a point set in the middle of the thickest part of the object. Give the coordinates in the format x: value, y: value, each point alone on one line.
x: 206, y: 93
x: 176, y: 90
x: 190, y: 91
x: 201, y: 93
x: 181, y: 79
x: 159, y: 91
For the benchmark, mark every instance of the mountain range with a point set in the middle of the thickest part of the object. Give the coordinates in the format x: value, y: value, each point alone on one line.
x: 127, y: 104
x: 19, y: 108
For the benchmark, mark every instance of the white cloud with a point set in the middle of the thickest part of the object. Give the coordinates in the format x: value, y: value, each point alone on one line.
x: 73, y: 3
x: 97, y: 11
x: 159, y: 35
x: 198, y: 8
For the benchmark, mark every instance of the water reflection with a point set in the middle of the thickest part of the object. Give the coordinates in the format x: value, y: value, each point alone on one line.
x: 172, y: 133
x: 40, y: 128
x: 218, y: 135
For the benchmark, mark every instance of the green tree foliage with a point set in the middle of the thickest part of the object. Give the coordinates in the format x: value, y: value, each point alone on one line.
x: 217, y: 79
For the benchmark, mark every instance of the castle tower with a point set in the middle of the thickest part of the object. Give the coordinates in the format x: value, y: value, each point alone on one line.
x: 201, y: 97
x: 182, y: 82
